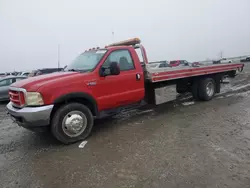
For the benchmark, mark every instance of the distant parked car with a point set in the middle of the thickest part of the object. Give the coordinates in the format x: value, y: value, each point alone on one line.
x: 245, y: 59
x: 44, y: 71
x: 195, y: 64
x: 176, y: 63
x: 224, y: 60
x: 218, y: 61
x: 162, y: 64
x: 25, y: 73
x: 8, y: 73
x: 5, y: 83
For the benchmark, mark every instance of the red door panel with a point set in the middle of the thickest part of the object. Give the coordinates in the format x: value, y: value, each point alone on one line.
x: 118, y: 90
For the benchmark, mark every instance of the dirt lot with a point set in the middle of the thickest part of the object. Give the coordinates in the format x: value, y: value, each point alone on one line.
x: 179, y: 144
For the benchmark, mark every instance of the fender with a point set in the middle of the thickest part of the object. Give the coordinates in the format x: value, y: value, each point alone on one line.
x: 81, y: 95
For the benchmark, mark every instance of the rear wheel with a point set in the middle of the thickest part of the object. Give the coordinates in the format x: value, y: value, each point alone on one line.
x: 72, y: 122
x: 207, y: 89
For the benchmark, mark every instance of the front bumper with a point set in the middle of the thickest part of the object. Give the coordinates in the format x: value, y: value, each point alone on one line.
x: 30, y: 117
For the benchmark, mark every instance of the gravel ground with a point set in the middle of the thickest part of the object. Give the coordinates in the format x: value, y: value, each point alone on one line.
x: 182, y: 143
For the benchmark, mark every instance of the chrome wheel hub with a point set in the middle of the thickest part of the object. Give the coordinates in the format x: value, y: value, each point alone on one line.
x: 210, y: 89
x: 74, y: 123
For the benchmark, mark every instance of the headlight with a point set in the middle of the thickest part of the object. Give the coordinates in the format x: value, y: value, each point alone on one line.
x: 34, y: 99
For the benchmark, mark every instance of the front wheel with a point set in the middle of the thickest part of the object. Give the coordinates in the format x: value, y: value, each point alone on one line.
x: 72, y: 122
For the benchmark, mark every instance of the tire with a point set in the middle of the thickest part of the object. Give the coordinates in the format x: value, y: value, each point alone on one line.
x: 69, y: 114
x: 204, y: 93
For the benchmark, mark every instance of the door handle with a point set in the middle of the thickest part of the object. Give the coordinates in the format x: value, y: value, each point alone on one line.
x: 138, y: 77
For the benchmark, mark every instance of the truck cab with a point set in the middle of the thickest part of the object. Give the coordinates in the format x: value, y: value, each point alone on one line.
x: 97, y: 83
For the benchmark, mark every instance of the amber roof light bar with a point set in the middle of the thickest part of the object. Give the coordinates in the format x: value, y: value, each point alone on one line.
x: 128, y: 42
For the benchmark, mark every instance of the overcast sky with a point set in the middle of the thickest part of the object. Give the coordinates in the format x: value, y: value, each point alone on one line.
x: 30, y: 30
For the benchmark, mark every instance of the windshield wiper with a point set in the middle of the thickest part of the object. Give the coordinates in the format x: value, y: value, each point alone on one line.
x: 74, y: 70
x: 77, y: 70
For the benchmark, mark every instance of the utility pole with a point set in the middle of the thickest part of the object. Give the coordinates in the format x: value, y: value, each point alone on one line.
x: 221, y: 54
x: 58, y: 56
x: 113, y: 36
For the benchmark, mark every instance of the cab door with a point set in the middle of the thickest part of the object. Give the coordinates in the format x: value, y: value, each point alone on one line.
x: 123, y: 89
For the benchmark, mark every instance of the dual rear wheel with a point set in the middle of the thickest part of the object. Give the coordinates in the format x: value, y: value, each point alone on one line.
x: 207, y: 89
x: 201, y: 89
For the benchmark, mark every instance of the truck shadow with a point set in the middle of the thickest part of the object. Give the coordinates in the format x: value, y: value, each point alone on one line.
x: 139, y: 115
x: 42, y: 140
x: 45, y: 140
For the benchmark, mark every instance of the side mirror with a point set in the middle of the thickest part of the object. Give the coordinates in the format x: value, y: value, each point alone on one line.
x: 113, y: 69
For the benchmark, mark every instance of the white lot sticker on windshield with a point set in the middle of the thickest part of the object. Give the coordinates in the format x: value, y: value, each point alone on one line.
x: 100, y: 51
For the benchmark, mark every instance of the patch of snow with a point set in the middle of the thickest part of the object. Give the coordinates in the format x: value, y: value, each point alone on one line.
x: 220, y: 97
x: 239, y: 87
x: 244, y: 94
x: 82, y: 145
x: 188, y: 103
x: 146, y: 111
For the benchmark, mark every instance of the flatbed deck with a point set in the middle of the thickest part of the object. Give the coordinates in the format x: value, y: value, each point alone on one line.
x: 171, y: 73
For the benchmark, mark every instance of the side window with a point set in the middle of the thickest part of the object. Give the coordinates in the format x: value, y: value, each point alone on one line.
x: 6, y: 82
x: 16, y: 79
x: 123, y: 58
x: 139, y: 53
x: 162, y: 65
x: 39, y: 73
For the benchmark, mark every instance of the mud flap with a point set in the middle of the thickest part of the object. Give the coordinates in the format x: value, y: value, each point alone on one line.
x: 150, y: 93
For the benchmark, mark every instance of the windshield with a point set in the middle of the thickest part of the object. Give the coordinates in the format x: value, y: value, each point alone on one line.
x: 87, y: 61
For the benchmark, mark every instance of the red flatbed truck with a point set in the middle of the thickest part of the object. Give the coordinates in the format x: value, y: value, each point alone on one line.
x: 99, y: 83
